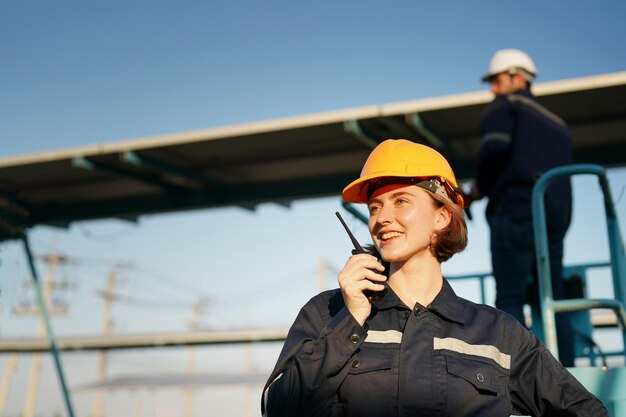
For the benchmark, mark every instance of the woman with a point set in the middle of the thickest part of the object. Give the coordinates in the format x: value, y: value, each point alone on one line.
x: 421, y: 350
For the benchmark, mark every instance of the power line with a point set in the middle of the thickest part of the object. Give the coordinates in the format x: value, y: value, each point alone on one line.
x: 141, y: 302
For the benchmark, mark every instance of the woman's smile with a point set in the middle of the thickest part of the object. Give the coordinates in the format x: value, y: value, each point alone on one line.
x: 389, y: 235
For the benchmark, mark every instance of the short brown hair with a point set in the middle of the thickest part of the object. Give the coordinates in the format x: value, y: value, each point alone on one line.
x: 452, y: 239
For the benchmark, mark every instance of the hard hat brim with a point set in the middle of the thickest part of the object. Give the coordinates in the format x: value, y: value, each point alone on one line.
x: 487, y: 77
x: 356, y: 191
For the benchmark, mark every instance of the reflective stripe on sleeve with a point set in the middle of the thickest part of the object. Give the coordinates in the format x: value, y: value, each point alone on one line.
x: 497, y: 136
x: 266, y: 394
x: 484, y: 351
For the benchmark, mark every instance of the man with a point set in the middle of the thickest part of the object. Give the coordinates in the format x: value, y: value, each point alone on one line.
x: 520, y: 141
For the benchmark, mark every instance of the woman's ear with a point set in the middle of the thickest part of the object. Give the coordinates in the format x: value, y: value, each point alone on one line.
x: 442, y: 218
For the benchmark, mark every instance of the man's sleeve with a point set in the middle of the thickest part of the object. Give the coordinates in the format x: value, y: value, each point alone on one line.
x: 312, y: 364
x: 541, y: 386
x: 497, y: 130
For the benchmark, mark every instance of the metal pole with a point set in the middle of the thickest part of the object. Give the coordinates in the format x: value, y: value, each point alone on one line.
x: 546, y: 297
x: 616, y: 248
x: 9, y: 370
x: 46, y: 319
x: 107, y: 325
x: 616, y: 245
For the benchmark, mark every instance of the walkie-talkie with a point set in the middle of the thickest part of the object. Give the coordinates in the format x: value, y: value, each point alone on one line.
x: 372, y: 296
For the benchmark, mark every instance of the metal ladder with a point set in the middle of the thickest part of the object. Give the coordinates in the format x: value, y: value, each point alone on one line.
x: 606, y: 383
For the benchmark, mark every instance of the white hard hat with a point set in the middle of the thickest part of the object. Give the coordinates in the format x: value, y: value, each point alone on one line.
x: 511, y: 60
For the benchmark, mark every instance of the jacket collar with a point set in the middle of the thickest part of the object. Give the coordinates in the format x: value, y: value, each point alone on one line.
x: 525, y: 92
x: 446, y: 304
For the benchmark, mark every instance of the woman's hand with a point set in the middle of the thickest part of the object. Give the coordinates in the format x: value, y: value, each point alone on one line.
x: 361, y: 272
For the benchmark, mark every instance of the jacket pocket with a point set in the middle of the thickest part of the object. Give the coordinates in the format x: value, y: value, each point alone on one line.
x: 484, y: 377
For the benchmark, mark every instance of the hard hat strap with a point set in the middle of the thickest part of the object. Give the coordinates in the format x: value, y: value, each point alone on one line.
x: 441, y: 188
x: 432, y: 184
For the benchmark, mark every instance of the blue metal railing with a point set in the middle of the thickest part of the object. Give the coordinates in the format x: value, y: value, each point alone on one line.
x: 550, y: 306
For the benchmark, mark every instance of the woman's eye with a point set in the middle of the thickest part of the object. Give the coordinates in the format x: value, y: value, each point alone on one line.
x: 373, y: 209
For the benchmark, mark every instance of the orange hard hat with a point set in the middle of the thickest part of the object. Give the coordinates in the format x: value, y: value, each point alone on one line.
x: 404, y: 159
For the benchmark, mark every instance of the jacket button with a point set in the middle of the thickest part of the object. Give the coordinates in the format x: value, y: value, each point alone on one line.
x: 356, y: 363
x: 355, y: 338
x: 480, y: 377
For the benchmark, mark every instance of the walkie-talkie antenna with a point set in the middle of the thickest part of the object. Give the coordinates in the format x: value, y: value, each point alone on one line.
x: 372, y: 296
x: 357, y: 245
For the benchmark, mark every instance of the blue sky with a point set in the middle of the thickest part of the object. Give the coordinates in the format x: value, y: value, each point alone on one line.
x: 78, y: 73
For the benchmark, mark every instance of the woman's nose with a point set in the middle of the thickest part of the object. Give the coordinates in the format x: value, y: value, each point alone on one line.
x: 385, y: 216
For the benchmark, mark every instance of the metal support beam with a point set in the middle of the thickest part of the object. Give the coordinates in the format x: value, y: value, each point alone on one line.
x: 93, y: 165
x: 46, y: 320
x: 148, y: 340
x: 135, y: 158
x: 249, y: 195
x: 354, y: 128
x: 415, y: 121
x: 400, y: 128
x: 350, y: 208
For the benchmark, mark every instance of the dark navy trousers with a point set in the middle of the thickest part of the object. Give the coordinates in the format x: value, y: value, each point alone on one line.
x: 515, y: 272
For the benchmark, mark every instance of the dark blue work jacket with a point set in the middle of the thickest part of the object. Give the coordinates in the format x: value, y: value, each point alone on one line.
x: 454, y: 358
x: 521, y: 140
